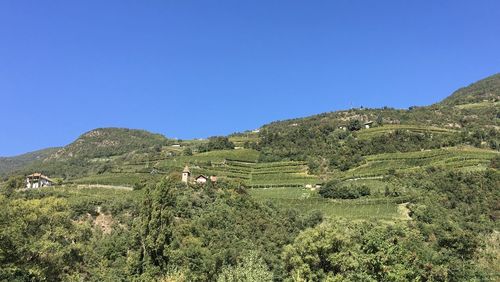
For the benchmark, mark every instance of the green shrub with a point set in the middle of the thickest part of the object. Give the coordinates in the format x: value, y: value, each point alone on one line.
x: 336, y: 190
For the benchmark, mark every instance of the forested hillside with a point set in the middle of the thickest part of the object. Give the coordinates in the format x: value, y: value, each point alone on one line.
x: 485, y: 90
x: 339, y: 140
x: 10, y: 164
x: 356, y: 195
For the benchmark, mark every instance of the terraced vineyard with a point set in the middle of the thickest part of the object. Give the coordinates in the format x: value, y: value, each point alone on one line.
x: 264, y: 175
x: 465, y: 158
x: 375, y: 131
x: 124, y: 179
x: 306, y: 200
x: 240, y: 140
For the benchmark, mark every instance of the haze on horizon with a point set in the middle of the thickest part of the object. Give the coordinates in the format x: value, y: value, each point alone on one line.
x: 190, y: 69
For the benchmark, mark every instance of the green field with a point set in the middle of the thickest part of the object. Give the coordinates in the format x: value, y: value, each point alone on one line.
x: 239, y: 140
x: 465, y: 158
x: 306, y: 200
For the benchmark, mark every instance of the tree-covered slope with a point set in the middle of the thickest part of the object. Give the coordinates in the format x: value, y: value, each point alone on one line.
x: 485, y: 90
x: 340, y: 140
x: 9, y: 164
x: 105, y: 142
x: 95, y: 152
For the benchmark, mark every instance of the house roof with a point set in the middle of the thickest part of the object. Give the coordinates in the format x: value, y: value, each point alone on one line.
x: 368, y: 122
x: 39, y: 175
x: 201, y: 176
x: 186, y: 169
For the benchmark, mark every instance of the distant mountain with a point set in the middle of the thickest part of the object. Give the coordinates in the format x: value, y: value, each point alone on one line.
x: 485, y: 90
x: 10, y: 164
x: 106, y: 142
x: 87, y: 154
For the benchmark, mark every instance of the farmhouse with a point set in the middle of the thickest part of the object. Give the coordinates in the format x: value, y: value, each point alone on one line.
x: 368, y: 124
x: 37, y: 180
x: 201, y: 179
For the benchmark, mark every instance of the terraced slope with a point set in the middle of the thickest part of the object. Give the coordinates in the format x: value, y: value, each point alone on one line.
x: 306, y: 200
x: 281, y: 174
x: 263, y: 175
x: 464, y: 158
x: 376, y: 131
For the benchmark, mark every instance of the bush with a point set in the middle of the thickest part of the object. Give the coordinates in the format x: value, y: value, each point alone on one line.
x: 495, y: 162
x: 354, y: 125
x: 216, y: 143
x: 335, y: 190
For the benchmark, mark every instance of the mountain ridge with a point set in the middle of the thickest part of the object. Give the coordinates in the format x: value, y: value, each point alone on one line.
x: 452, y: 112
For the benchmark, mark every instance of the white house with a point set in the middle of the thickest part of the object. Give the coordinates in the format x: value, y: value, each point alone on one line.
x: 202, y: 179
x: 37, y: 180
x: 368, y: 124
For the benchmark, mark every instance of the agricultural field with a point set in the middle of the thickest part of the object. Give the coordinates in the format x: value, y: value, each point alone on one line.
x: 376, y: 131
x: 121, y: 179
x: 263, y: 175
x: 457, y: 158
x: 306, y: 200
x: 239, y: 140
x: 479, y: 105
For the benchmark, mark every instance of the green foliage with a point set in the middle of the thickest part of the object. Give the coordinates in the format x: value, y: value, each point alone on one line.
x: 495, y: 162
x: 456, y: 158
x: 337, y: 190
x: 216, y: 143
x: 15, y: 182
x: 11, y: 164
x: 251, y: 268
x: 200, y: 230
x: 362, y: 251
x: 485, y: 89
x: 309, y: 201
x: 187, y: 151
x: 416, y: 170
x: 354, y: 125
x: 105, y: 142
x: 38, y: 240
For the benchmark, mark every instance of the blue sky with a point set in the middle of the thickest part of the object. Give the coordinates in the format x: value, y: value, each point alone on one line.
x: 190, y: 69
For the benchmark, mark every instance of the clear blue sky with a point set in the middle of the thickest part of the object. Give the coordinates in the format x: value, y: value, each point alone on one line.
x: 191, y: 69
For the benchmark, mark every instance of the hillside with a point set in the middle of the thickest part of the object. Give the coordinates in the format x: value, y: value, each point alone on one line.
x: 338, y: 140
x: 425, y: 175
x: 92, y: 153
x: 299, y: 151
x: 106, y: 142
x: 485, y: 90
x: 10, y: 164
